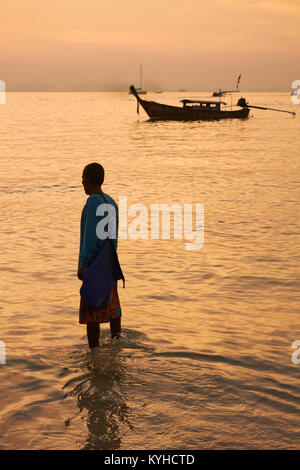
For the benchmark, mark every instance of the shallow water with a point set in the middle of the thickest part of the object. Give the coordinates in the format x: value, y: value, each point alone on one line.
x: 205, y: 360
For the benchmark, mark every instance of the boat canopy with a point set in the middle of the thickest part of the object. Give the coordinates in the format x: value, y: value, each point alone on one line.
x: 202, y: 102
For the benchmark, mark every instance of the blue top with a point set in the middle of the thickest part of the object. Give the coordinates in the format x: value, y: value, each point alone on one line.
x: 90, y: 243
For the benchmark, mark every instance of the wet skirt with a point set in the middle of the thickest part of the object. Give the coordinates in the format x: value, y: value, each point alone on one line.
x: 111, y: 310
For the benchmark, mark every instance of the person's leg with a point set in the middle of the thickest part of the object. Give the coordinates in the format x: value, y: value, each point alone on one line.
x: 93, y: 334
x: 115, y: 327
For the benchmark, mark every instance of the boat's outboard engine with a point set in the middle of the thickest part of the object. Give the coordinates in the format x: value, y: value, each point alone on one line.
x: 242, y: 103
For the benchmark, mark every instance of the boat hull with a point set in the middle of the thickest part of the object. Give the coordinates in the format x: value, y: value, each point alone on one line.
x: 163, y: 112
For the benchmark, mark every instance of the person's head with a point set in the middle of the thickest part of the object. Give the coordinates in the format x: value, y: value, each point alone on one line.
x: 92, y: 177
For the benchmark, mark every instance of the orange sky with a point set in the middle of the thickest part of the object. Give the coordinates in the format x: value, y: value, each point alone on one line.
x: 193, y: 44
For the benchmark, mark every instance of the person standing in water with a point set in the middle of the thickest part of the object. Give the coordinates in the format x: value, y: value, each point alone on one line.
x: 90, y: 246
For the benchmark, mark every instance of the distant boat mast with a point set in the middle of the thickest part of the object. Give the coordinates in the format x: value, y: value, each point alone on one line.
x: 140, y: 90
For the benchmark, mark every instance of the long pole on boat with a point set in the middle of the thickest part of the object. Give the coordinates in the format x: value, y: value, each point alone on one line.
x: 243, y: 103
x: 273, y: 109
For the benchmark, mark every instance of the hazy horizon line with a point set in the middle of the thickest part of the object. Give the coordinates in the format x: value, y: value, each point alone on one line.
x: 78, y: 90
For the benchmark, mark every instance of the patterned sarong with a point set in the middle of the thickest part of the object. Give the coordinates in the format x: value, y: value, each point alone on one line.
x: 111, y: 310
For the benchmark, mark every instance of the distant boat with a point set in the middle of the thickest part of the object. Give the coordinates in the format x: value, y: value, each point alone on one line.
x: 140, y: 89
x: 192, y: 110
x: 223, y: 92
x: 219, y: 93
x: 182, y: 90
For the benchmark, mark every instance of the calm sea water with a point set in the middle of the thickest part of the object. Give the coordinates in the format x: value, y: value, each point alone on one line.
x: 205, y: 360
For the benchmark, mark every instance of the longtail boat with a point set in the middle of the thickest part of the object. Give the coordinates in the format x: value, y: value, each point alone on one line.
x: 192, y: 110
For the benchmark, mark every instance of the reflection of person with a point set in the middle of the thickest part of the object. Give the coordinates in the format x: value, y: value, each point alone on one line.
x: 103, y: 394
x: 90, y: 246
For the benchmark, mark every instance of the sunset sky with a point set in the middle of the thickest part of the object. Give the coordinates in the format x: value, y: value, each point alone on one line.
x: 193, y: 44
